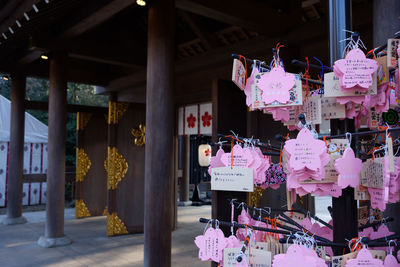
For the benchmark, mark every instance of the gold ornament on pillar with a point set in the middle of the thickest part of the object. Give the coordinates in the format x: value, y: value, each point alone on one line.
x: 82, y: 119
x: 83, y: 164
x: 254, y: 197
x: 115, y: 111
x: 81, y: 210
x: 140, y: 135
x: 116, y: 168
x: 114, y: 225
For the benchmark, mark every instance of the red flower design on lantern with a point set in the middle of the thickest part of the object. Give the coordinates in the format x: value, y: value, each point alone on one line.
x: 207, y: 152
x: 206, y: 118
x: 191, y: 120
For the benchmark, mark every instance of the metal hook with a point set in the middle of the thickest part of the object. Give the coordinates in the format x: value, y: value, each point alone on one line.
x: 349, y: 137
x: 268, y: 211
x: 207, y: 225
x: 398, y: 149
x: 390, y: 247
x: 221, y: 142
x: 242, y: 204
x: 236, y: 136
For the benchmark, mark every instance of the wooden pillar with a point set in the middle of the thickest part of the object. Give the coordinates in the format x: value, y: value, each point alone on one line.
x: 14, y: 205
x: 185, y: 181
x: 386, y: 24
x: 54, y: 226
x: 111, y: 143
x: 385, y: 20
x: 159, y: 134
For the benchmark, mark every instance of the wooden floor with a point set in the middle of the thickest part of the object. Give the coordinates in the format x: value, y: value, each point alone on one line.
x: 91, y: 247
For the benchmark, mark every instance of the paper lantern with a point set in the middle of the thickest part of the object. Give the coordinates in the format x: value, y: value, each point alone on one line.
x: 204, y: 155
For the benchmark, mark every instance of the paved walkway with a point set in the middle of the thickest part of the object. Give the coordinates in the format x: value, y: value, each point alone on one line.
x: 91, y: 247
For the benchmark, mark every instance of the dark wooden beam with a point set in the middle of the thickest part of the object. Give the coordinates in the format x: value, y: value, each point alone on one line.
x: 98, y: 16
x: 22, y: 7
x: 42, y: 177
x: 30, y: 57
x: 35, y: 53
x: 79, y: 71
x: 255, y: 47
x: 34, y: 178
x: 123, y: 52
x: 259, y: 16
x: 72, y: 108
x: 102, y: 60
x: 208, y: 40
x: 8, y: 8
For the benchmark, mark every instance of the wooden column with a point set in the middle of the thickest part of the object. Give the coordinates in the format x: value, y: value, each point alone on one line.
x: 159, y: 134
x: 111, y: 143
x: 185, y: 181
x: 14, y: 205
x: 385, y: 20
x: 385, y: 25
x: 54, y: 226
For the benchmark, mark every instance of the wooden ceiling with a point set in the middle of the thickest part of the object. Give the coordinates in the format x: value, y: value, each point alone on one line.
x: 106, y: 40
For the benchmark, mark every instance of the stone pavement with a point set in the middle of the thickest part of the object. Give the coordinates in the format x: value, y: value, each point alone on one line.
x: 91, y: 246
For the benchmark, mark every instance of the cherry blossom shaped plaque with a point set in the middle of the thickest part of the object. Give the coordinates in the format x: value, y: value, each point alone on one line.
x: 305, y: 151
x: 306, y: 223
x: 356, y: 69
x: 211, y: 244
x: 203, y: 242
x: 298, y: 256
x: 366, y: 232
x: 377, y: 198
x: 279, y: 113
x: 276, y: 85
x: 215, y: 161
x: 241, y: 157
x: 364, y: 258
x: 349, y: 168
x: 390, y: 261
x: 219, y: 245
x: 243, y: 218
x: 259, y: 235
x: 383, y: 231
x: 257, y: 161
x: 231, y: 242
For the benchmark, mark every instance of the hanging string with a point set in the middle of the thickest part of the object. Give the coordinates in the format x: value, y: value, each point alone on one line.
x: 321, y: 75
x: 233, y: 138
x: 372, y: 51
x: 281, y: 151
x: 232, y: 214
x: 307, y: 76
x: 352, y: 44
x: 248, y: 240
x: 355, y: 244
x: 276, y: 61
x: 326, y: 144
